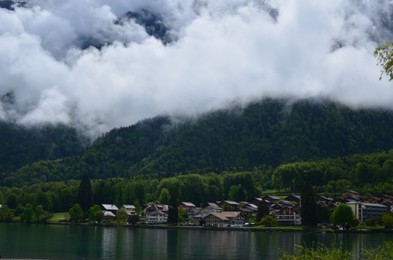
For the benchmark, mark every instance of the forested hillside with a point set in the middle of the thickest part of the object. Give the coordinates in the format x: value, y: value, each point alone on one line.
x: 269, y: 132
x: 21, y: 145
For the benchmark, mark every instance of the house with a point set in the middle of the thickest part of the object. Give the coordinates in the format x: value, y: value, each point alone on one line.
x: 156, y: 213
x: 229, y: 205
x: 109, y: 211
x: 294, y: 198
x: 131, y: 213
x: 364, y: 211
x: 289, y: 216
x: 110, y: 207
x: 130, y: 209
x: 271, y: 198
x: 351, y: 194
x: 224, y: 219
x: 186, y: 206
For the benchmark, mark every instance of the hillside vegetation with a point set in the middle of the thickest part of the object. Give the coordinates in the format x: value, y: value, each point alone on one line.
x: 269, y: 132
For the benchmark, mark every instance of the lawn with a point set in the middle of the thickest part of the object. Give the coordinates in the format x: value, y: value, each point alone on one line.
x: 57, y: 217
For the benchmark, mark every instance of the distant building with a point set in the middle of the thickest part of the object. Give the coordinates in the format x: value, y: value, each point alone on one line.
x: 229, y: 205
x: 186, y: 206
x: 156, y: 213
x: 364, y: 211
x: 224, y: 219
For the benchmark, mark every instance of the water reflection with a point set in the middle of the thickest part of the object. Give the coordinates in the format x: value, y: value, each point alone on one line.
x: 76, y: 242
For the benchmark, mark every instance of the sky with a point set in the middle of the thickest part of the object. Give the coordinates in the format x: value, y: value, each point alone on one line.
x: 221, y: 52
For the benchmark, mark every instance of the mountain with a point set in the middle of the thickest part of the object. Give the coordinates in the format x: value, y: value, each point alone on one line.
x: 269, y: 132
x: 25, y: 145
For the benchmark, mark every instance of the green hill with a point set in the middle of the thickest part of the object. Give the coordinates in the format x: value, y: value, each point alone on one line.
x: 269, y: 132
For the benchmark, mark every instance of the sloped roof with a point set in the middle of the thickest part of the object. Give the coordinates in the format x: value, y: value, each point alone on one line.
x: 110, y: 207
x: 188, y: 204
x: 129, y: 207
x: 225, y: 215
x: 108, y: 214
x: 231, y: 202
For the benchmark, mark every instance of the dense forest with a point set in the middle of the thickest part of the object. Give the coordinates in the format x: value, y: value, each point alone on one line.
x: 269, y: 132
x: 370, y: 174
x: 21, y: 146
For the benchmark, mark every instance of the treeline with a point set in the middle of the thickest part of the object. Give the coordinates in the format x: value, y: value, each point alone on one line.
x: 269, y: 132
x: 368, y: 174
x: 22, y: 146
x: 199, y: 189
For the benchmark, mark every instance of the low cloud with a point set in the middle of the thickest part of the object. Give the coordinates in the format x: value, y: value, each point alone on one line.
x: 222, y: 51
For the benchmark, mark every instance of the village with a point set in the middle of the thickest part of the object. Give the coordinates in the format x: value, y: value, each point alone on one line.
x: 286, y: 210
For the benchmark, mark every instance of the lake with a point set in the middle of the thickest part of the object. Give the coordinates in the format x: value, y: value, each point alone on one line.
x: 87, y: 242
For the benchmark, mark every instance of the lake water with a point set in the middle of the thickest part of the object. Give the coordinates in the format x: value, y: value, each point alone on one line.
x: 78, y: 242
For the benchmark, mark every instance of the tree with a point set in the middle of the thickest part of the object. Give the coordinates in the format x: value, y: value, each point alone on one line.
x: 164, y: 196
x: 173, y: 210
x: 28, y: 213
x: 5, y: 214
x: 343, y: 216
x: 263, y: 210
x: 76, y: 213
x: 121, y: 216
x: 85, y: 195
x: 38, y: 212
x: 387, y: 220
x: 309, y: 206
x: 384, y: 55
x: 95, y: 213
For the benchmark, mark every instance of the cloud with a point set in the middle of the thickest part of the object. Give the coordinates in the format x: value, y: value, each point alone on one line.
x: 224, y: 51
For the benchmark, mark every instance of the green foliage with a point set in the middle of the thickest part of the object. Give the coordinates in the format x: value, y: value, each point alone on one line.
x: 5, y: 214
x: 85, y: 195
x: 173, y: 214
x: 382, y: 252
x: 95, y: 213
x: 387, y: 220
x: 28, y: 214
x: 343, y: 216
x: 384, y: 55
x: 263, y: 210
x: 121, y: 216
x: 268, y: 221
x: 164, y: 196
x: 76, y: 213
x: 309, y: 206
x: 321, y: 252
x: 269, y: 132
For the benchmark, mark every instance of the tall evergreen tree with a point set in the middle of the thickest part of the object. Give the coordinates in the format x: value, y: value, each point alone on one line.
x: 173, y: 215
x: 85, y: 195
x: 263, y: 210
x: 309, y: 206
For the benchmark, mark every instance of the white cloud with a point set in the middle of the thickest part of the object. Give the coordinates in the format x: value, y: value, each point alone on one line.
x: 226, y: 51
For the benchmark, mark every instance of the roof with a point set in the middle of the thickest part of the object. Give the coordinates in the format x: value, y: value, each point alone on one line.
x: 110, y: 207
x: 374, y: 205
x: 231, y: 202
x: 225, y: 215
x: 108, y: 214
x: 188, y: 204
x: 213, y: 205
x: 129, y: 207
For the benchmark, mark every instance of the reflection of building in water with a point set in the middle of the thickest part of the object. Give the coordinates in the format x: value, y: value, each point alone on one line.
x: 108, y: 242
x: 364, y: 211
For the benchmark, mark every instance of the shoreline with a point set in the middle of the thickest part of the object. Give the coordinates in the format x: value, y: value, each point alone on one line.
x: 237, y: 229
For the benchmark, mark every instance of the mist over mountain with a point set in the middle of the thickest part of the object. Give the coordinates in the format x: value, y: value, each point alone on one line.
x: 269, y: 132
x: 95, y: 65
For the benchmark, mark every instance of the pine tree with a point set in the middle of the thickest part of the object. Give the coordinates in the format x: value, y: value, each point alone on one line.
x: 309, y: 206
x: 173, y: 210
x: 85, y: 195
